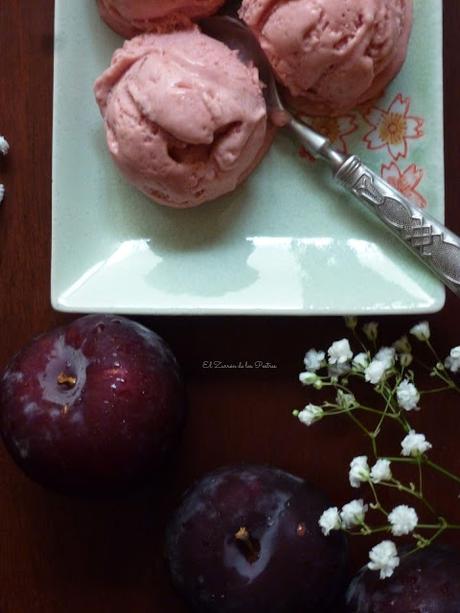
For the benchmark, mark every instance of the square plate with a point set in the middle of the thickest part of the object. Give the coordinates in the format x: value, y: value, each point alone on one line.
x: 286, y: 242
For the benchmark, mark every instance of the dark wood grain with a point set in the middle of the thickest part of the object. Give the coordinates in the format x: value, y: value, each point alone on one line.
x: 58, y: 554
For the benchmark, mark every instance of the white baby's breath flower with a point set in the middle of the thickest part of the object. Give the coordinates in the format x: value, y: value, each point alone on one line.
x: 374, y: 372
x: 407, y: 395
x: 360, y: 361
x: 346, y: 401
x: 386, y: 355
x: 340, y: 352
x: 338, y: 370
x: 452, y: 362
x: 359, y: 471
x: 314, y: 360
x: 4, y: 145
x: 421, y: 331
x: 414, y: 444
x: 384, y: 558
x: 353, y: 513
x: 381, y: 471
x: 310, y: 414
x: 308, y: 378
x: 2, y: 192
x: 403, y: 520
x: 371, y: 330
x: 330, y: 520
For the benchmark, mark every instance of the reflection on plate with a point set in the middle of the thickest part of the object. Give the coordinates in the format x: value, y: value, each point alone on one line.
x: 287, y: 242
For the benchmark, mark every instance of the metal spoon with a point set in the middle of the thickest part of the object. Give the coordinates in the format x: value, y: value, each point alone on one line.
x: 434, y: 244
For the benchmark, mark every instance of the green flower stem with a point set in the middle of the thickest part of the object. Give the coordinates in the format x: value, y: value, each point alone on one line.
x: 375, y: 450
x: 367, y: 531
x: 415, y: 549
x: 397, y: 485
x: 444, y: 375
x: 405, y: 425
x: 361, y: 407
x: 358, y: 374
x: 445, y: 525
x: 436, y: 390
x: 447, y: 380
x: 358, y: 423
x: 335, y: 412
x: 438, y: 533
x: 341, y: 410
x: 440, y: 374
x: 433, y: 351
x: 338, y: 410
x: 378, y: 504
x: 429, y: 463
x: 377, y: 411
x: 402, y: 460
x: 418, y: 361
x: 358, y: 340
x: 388, y: 407
x: 388, y: 394
x: 442, y: 470
x: 420, y: 477
x: 440, y: 528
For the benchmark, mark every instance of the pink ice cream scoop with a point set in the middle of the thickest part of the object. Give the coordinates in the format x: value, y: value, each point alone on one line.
x: 331, y: 55
x: 131, y: 17
x: 185, y: 119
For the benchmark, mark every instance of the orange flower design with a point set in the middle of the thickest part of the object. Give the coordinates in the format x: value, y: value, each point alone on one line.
x: 406, y: 182
x: 393, y: 128
x: 336, y: 129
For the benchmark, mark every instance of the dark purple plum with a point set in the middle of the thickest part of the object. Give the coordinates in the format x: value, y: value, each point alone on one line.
x: 246, y: 540
x: 93, y: 406
x: 427, y: 581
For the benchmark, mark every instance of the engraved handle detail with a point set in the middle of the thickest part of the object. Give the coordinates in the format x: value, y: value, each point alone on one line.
x: 433, y: 243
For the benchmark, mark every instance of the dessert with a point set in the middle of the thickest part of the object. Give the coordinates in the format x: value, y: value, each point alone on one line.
x: 185, y: 119
x: 131, y: 17
x: 425, y: 581
x: 246, y: 539
x: 331, y: 55
x: 93, y: 406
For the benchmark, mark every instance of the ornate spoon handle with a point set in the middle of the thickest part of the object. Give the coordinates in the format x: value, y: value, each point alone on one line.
x: 433, y: 243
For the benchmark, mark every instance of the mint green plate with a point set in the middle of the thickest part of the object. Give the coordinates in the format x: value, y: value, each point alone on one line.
x: 286, y: 242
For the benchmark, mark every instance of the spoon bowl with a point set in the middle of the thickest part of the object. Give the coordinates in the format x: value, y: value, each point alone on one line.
x: 235, y: 35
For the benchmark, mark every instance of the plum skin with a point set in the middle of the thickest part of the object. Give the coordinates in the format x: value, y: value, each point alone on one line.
x: 290, y: 566
x: 93, y: 406
x: 427, y: 581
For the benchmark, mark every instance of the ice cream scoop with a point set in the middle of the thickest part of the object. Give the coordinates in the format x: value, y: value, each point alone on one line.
x: 331, y: 55
x: 186, y: 120
x: 434, y: 244
x: 131, y: 17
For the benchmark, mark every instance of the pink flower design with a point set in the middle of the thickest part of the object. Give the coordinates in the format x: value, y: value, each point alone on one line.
x: 393, y: 128
x: 336, y: 129
x: 406, y: 182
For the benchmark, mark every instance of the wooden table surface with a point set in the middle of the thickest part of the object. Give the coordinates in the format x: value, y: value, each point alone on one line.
x: 64, y: 555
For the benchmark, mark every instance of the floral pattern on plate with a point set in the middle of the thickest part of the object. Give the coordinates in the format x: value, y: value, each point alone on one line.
x: 392, y: 131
